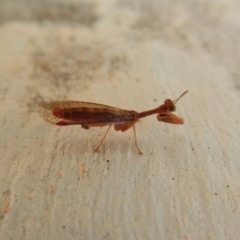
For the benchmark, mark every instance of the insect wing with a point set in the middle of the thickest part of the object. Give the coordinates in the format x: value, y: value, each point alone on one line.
x: 74, y: 112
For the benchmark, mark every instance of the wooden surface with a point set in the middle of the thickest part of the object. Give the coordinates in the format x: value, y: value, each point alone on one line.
x: 132, y: 55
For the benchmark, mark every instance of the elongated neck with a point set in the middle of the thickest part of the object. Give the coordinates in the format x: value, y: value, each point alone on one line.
x: 153, y: 111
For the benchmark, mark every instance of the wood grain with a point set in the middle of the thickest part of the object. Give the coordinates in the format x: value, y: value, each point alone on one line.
x: 131, y: 55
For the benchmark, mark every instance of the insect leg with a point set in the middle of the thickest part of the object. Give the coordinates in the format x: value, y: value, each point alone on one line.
x: 97, y: 148
x: 124, y: 127
x: 135, y: 138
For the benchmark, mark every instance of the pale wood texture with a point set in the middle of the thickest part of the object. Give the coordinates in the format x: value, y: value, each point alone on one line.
x: 132, y: 55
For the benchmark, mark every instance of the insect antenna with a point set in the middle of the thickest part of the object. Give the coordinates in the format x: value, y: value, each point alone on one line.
x: 175, y: 101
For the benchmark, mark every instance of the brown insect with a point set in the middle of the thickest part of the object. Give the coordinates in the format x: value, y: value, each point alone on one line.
x: 64, y: 113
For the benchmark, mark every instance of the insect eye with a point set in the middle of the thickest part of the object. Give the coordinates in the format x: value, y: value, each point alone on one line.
x: 172, y: 108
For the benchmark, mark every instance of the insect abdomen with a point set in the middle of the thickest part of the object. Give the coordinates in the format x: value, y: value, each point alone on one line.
x: 86, y: 115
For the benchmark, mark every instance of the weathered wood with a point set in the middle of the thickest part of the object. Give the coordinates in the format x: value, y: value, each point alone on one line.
x: 131, y: 55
